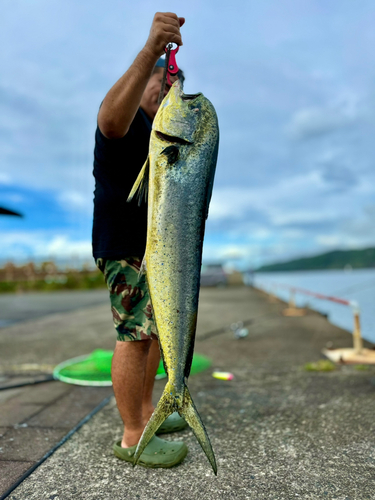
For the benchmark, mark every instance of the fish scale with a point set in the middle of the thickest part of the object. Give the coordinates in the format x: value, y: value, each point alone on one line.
x: 178, y: 177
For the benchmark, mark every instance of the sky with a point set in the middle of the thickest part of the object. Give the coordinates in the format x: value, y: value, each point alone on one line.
x: 293, y: 87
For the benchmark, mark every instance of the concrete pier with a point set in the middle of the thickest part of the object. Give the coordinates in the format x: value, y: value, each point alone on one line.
x: 278, y: 430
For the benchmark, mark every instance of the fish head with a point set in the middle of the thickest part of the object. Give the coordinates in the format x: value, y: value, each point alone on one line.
x: 176, y: 117
x: 183, y: 123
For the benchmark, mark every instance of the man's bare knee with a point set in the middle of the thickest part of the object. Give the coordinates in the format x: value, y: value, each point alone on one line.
x: 135, y: 345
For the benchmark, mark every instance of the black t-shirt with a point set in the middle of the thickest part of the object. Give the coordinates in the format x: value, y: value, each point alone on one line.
x: 119, y: 227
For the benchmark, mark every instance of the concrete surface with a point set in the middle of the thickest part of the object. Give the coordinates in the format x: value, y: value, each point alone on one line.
x: 278, y: 431
x: 33, y: 419
x: 28, y: 306
x: 57, y: 337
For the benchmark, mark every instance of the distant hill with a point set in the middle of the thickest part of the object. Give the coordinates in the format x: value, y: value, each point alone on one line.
x: 338, y: 259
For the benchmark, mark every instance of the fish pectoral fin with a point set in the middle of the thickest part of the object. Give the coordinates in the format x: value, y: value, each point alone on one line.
x: 164, y: 408
x: 141, y: 183
x: 192, y: 417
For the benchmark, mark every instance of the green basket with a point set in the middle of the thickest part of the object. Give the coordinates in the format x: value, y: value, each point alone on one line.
x: 95, y: 369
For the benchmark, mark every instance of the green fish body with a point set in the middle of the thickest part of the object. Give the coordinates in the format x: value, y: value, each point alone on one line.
x: 180, y: 173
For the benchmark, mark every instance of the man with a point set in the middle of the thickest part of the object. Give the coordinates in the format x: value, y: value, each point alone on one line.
x: 119, y: 240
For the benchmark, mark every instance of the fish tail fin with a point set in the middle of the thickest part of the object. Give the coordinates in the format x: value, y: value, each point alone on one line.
x: 165, y: 407
x: 141, y: 183
x: 192, y: 417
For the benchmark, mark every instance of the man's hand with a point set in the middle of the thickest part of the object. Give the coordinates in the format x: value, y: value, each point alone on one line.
x: 123, y: 99
x: 165, y: 29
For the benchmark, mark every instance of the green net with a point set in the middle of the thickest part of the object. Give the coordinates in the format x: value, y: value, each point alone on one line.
x: 95, y: 368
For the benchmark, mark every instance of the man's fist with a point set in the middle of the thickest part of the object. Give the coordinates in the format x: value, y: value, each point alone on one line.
x: 165, y: 29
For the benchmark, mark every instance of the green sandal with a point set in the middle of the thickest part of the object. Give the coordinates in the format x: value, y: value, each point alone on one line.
x: 173, y: 423
x: 158, y: 453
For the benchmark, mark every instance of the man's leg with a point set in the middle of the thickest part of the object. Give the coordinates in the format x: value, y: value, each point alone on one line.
x: 129, y: 369
x: 151, y: 369
x: 134, y: 365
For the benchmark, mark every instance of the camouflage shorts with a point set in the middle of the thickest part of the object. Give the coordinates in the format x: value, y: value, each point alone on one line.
x: 130, y: 301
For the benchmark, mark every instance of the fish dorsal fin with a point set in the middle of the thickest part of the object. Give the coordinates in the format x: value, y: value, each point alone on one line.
x: 141, y: 183
x: 143, y: 268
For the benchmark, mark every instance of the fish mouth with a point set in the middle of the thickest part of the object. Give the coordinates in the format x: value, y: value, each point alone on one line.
x: 171, y: 138
x: 190, y: 97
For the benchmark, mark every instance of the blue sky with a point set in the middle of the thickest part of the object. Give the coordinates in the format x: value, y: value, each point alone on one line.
x: 293, y: 87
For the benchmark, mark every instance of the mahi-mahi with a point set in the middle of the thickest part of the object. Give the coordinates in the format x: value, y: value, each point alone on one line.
x: 177, y: 179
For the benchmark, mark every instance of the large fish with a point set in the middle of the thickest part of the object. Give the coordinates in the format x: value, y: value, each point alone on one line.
x: 178, y: 176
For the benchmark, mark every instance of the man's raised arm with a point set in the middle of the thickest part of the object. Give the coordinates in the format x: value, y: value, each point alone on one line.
x: 122, y: 101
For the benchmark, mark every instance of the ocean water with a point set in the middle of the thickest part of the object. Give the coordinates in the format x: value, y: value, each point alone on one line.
x: 358, y: 285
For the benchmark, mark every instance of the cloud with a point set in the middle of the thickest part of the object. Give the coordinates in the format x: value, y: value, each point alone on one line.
x: 5, y: 178
x: 341, y: 240
x: 43, y: 244
x: 280, y: 203
x: 230, y: 252
x: 308, y: 72
x: 304, y: 214
x: 75, y: 201
x: 64, y: 247
x: 330, y: 240
x: 14, y: 198
x: 316, y: 121
x: 356, y: 231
